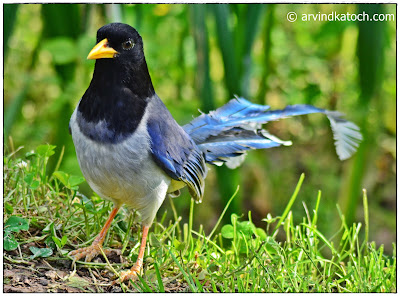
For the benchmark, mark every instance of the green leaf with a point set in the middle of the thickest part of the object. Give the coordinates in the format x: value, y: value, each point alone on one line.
x: 227, y: 231
x: 272, y: 246
x: 62, y: 177
x: 261, y: 233
x: 178, y: 245
x: 9, y: 242
x: 78, y: 205
x: 9, y: 208
x: 154, y: 242
x: 89, y: 206
x: 29, y: 178
x: 75, y: 180
x: 78, y: 282
x: 40, y: 252
x: 212, y: 267
x: 29, y: 154
x: 45, y: 150
x: 247, y: 228
x: 42, y: 209
x: 35, y: 184
x: 60, y: 242
x: 270, y: 219
x: 57, y: 241
x: 68, y: 181
x: 234, y: 218
x: 15, y: 224
x: 62, y: 49
x: 49, y: 228
x: 50, y: 242
x: 63, y: 240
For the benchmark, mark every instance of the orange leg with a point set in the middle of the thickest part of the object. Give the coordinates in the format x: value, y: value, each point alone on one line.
x: 132, y: 273
x: 92, y: 251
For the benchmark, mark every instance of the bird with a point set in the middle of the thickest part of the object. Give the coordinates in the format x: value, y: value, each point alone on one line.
x: 132, y: 152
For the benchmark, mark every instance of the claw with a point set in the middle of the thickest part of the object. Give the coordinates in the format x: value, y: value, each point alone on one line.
x: 131, y: 274
x: 91, y: 252
x: 96, y: 248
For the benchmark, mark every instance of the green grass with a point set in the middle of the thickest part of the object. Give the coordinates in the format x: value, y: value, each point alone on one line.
x: 235, y: 257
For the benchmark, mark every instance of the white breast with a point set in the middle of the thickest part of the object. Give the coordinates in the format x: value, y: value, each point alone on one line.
x: 125, y: 172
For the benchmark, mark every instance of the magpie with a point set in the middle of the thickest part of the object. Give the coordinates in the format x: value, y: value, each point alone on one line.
x: 131, y: 150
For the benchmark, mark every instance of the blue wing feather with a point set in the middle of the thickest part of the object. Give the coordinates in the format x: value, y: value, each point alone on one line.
x: 174, y: 151
x: 236, y: 142
x: 240, y: 113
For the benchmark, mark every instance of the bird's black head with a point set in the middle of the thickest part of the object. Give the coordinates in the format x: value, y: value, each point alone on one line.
x: 118, y: 42
x: 120, y: 58
x: 120, y: 88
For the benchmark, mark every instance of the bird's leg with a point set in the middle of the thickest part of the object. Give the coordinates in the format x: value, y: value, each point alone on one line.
x: 133, y: 272
x: 95, y: 249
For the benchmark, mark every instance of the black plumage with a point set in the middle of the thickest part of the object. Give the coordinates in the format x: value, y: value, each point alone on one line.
x: 120, y: 90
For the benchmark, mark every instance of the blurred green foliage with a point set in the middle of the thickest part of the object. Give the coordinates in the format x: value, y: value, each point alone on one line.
x: 199, y: 56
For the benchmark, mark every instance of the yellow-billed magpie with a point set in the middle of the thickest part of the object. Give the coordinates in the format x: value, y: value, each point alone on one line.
x: 132, y: 151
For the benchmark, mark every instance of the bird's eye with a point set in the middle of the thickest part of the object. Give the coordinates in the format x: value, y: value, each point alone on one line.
x: 127, y: 44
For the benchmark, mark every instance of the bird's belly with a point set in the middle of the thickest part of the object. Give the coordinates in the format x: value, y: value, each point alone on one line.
x: 123, y: 180
x: 124, y: 173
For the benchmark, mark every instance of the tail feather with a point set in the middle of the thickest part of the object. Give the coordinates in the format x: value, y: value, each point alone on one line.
x: 234, y: 128
x: 233, y: 143
x: 346, y: 134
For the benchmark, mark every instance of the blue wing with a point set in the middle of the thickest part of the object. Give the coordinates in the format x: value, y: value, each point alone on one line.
x: 174, y: 151
x: 240, y: 114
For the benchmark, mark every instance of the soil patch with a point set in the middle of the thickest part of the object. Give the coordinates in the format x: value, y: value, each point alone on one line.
x: 58, y: 276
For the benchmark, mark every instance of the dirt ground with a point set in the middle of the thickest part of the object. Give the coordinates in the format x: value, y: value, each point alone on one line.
x: 43, y: 275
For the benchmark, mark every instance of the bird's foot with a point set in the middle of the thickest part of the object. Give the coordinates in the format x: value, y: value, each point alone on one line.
x: 131, y: 274
x: 90, y: 252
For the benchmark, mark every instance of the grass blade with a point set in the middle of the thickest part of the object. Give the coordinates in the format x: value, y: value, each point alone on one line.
x: 185, y: 275
x: 314, y: 221
x: 145, y: 286
x: 222, y: 215
x: 159, y: 279
x: 290, y: 204
x: 366, y: 214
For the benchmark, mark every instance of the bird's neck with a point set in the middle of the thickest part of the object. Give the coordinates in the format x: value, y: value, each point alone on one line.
x: 115, y: 102
x: 111, y: 73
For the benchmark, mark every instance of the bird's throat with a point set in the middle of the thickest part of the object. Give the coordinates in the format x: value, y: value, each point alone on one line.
x: 114, y: 104
x: 136, y: 77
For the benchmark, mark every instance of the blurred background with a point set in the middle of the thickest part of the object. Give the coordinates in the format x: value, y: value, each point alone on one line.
x: 199, y: 56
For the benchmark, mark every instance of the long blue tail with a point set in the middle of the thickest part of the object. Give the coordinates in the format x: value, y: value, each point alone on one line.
x: 228, y: 132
